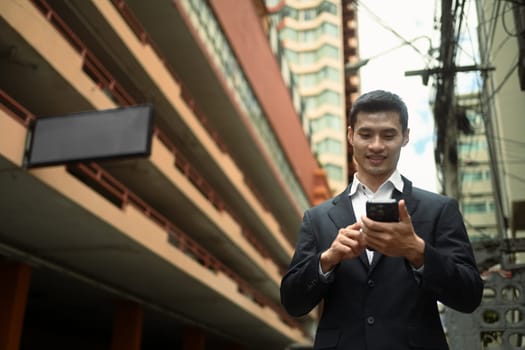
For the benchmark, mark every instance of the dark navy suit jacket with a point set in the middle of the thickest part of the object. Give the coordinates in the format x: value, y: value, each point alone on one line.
x: 384, y: 305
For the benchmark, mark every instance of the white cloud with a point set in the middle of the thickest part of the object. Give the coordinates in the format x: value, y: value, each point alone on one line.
x: 418, y: 167
x: 386, y: 70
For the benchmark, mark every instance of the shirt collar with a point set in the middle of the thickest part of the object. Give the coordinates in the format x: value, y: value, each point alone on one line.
x: 395, y: 179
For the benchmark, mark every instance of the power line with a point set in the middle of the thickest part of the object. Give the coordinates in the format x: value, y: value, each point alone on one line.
x: 405, y: 41
x: 515, y: 2
x: 492, y: 29
x: 514, y: 176
x: 504, y: 22
x: 505, y: 79
x: 471, y: 54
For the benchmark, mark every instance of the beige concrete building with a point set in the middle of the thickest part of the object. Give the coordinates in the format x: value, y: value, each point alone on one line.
x: 311, y: 33
x: 181, y: 248
x: 475, y: 176
x: 502, y: 46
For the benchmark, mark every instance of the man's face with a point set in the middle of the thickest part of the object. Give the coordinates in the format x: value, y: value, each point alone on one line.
x: 377, y: 139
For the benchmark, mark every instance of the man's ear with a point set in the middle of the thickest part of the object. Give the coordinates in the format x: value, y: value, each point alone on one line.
x: 350, y: 136
x: 406, y: 137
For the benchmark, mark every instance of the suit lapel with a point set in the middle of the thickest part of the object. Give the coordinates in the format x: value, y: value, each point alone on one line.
x: 410, y: 202
x: 342, y: 213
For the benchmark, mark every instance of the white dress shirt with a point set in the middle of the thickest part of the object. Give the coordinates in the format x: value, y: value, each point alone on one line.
x: 359, y: 194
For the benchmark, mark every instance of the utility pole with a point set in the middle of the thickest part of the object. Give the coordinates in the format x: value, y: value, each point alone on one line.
x: 445, y: 152
x: 444, y: 108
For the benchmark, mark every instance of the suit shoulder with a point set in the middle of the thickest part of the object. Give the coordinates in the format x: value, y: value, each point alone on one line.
x: 423, y: 194
x: 327, y: 204
x: 323, y: 206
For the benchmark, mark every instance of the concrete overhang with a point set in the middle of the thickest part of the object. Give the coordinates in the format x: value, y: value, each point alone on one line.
x: 64, y: 88
x: 49, y: 214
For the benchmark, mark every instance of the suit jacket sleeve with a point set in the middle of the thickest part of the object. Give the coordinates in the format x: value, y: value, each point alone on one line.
x: 450, y: 270
x: 302, y: 288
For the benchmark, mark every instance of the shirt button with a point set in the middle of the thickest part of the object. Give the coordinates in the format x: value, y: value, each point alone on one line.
x: 371, y: 283
x: 370, y: 320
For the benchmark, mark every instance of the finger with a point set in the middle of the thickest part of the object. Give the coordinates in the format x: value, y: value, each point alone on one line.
x: 350, y: 237
x: 363, y: 240
x: 355, y: 226
x: 365, y: 222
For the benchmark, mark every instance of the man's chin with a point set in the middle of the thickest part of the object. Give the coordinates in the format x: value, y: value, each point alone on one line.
x: 379, y: 170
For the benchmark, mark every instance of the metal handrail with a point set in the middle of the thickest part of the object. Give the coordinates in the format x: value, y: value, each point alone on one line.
x: 139, y: 31
x: 106, y: 80
x: 15, y: 109
x: 143, y: 37
x: 91, y: 64
x: 183, y: 241
x: 198, y: 180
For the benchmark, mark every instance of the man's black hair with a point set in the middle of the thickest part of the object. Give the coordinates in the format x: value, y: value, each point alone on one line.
x: 380, y: 100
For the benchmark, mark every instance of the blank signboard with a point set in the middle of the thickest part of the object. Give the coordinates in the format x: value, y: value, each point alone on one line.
x: 92, y: 135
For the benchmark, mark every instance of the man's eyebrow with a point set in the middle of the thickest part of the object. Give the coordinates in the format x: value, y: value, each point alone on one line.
x: 389, y: 130
x: 368, y: 129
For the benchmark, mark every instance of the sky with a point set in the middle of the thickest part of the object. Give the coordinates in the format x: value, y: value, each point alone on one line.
x: 382, y: 27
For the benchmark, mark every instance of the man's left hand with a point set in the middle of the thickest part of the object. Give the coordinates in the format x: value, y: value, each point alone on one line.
x: 395, y: 238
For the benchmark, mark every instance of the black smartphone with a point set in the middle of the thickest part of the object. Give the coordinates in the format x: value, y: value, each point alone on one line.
x: 384, y: 211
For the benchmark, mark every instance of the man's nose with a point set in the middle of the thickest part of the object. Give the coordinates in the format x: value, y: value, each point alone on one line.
x: 376, y: 142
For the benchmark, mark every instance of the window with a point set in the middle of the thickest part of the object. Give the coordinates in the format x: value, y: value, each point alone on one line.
x: 326, y: 97
x: 312, y: 79
x: 289, y: 34
x: 476, y: 175
x: 330, y: 146
x: 309, y: 13
x: 334, y: 172
x: 478, y: 207
x: 330, y: 30
x: 474, y: 145
x: 328, y: 51
x: 327, y: 121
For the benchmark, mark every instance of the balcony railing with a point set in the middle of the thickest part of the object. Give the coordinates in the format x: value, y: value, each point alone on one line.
x: 91, y: 65
x: 105, y: 80
x: 15, y: 109
x: 110, y: 188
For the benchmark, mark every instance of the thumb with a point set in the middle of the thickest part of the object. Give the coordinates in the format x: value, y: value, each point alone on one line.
x: 404, y: 216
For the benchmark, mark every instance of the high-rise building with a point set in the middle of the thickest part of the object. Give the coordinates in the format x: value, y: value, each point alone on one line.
x: 311, y: 35
x: 502, y: 46
x: 475, y: 175
x: 181, y: 247
x: 491, y: 164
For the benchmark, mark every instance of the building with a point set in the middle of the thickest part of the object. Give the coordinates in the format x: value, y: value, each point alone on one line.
x: 182, y: 248
x: 352, y: 78
x: 475, y: 174
x: 491, y: 180
x: 503, y: 47
x: 311, y: 34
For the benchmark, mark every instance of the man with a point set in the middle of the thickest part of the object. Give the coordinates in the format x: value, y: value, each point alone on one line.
x: 380, y: 281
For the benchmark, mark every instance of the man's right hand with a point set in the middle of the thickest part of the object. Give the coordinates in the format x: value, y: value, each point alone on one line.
x: 348, y: 244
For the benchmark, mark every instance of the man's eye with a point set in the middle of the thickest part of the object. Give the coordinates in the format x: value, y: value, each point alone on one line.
x: 365, y: 136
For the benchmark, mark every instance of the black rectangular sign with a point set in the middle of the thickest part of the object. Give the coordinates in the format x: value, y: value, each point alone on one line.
x: 121, y: 132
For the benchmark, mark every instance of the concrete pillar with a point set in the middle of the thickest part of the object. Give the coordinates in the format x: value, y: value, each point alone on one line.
x: 193, y: 339
x: 14, y: 286
x: 127, y: 326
